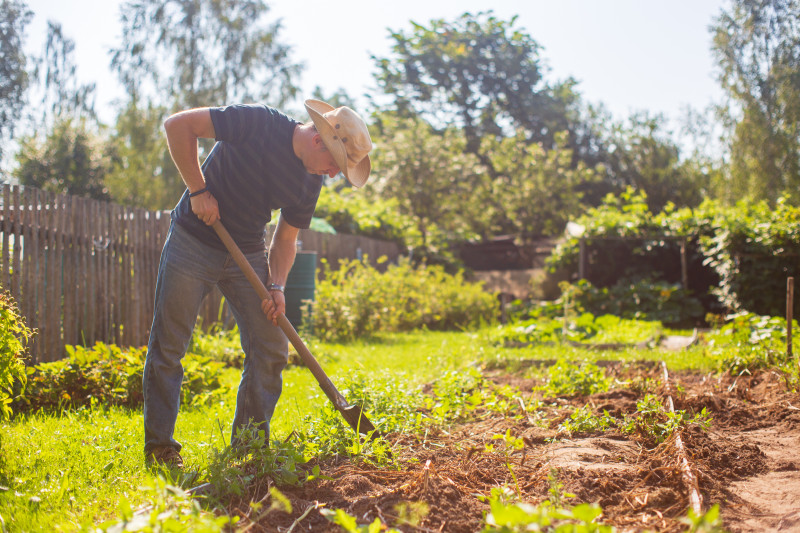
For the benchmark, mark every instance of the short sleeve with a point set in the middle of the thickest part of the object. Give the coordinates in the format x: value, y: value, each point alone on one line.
x: 299, y: 216
x: 238, y: 123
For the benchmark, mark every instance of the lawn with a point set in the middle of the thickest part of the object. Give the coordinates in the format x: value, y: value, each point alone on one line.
x: 80, y: 469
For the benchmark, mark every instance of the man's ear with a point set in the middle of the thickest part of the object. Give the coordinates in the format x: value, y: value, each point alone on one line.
x: 316, y: 140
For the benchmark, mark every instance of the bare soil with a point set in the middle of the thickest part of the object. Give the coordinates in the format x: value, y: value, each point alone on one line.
x: 747, y: 462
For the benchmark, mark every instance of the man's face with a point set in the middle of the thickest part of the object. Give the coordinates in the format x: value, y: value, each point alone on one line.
x: 320, y: 161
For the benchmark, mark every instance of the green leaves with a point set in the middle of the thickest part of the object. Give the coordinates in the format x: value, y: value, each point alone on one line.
x: 358, y: 300
x: 14, y: 339
x: 107, y: 374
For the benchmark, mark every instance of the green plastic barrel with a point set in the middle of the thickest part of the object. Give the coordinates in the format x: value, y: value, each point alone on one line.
x: 300, y: 286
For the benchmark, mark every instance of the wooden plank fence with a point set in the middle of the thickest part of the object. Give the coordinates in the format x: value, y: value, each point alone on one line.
x: 84, y: 271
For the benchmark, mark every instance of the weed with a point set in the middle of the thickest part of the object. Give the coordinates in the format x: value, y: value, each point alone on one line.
x: 236, y: 468
x: 511, y: 444
x: 171, y: 510
x: 652, y: 420
x: 568, y: 379
x: 507, y: 515
x: 709, y: 522
x: 583, y: 420
x: 349, y: 524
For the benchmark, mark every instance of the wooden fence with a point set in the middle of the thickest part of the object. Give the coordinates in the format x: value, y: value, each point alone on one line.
x: 83, y: 270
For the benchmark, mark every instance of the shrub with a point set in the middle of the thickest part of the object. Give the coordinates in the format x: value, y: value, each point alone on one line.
x: 749, y: 342
x: 106, y: 374
x: 14, y: 338
x: 357, y: 300
x: 642, y: 299
x: 737, y: 257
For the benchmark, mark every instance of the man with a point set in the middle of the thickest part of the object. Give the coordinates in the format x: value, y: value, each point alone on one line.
x: 262, y: 161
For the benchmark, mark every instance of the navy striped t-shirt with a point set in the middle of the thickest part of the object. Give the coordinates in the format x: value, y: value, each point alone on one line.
x: 252, y: 170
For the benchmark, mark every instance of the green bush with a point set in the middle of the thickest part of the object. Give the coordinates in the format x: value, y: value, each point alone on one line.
x: 108, y: 375
x: 642, y: 299
x: 737, y: 257
x: 357, y: 300
x: 14, y: 339
x: 749, y: 342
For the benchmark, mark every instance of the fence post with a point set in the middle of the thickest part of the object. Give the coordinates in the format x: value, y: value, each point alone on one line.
x: 789, y: 313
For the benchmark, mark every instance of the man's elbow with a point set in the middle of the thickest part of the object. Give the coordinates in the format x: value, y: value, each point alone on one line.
x: 171, y: 123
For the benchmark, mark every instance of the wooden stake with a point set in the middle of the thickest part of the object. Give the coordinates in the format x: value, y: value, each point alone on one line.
x: 789, y: 313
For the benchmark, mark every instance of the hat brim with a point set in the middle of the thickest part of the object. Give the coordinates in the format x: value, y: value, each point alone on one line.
x: 356, y: 174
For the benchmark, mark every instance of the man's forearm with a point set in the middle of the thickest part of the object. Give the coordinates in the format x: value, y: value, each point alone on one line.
x: 281, y: 259
x: 183, y: 130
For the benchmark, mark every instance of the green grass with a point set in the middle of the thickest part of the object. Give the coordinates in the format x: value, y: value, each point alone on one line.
x: 70, y: 471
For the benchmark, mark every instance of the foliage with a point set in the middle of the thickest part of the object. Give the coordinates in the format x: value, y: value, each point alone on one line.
x: 509, y: 516
x: 566, y: 378
x: 430, y: 179
x: 55, y: 91
x: 14, y: 338
x: 642, y: 299
x: 238, y: 467
x: 141, y: 172
x: 654, y: 422
x: 172, y: 510
x: 351, y: 211
x: 349, y: 523
x: 709, y: 522
x: 534, y: 189
x: 478, y: 72
x: 107, y: 375
x: 642, y: 155
x: 14, y: 17
x: 168, y: 51
x: 753, y: 248
x: 583, y: 327
x: 357, y: 300
x: 68, y: 159
x: 583, y: 420
x: 738, y: 256
x: 755, y: 44
x: 749, y: 342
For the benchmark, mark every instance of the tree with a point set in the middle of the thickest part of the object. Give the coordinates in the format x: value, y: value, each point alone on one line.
x: 643, y: 156
x: 193, y: 53
x: 478, y: 73
x: 535, y: 192
x: 63, y: 152
x: 14, y: 16
x: 69, y: 159
x: 430, y: 177
x: 56, y: 93
x: 757, y: 47
x: 141, y: 171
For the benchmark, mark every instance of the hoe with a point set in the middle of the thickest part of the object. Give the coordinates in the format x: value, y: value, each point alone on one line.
x: 351, y: 413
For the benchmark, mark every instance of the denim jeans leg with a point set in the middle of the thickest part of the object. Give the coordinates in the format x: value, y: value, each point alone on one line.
x: 187, y: 272
x: 265, y: 346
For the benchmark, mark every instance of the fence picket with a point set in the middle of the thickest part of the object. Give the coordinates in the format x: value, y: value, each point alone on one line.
x: 84, y: 271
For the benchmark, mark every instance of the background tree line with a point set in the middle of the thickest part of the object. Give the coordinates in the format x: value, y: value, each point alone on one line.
x: 473, y: 139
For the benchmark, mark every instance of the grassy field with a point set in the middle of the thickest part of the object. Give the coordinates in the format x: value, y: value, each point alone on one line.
x: 72, y: 471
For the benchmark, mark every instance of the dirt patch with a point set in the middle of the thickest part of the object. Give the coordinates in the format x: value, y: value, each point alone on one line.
x: 746, y: 462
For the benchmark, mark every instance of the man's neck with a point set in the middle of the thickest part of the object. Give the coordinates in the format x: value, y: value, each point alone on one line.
x: 300, y: 139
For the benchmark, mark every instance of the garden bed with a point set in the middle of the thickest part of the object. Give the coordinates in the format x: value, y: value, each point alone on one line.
x: 745, y: 461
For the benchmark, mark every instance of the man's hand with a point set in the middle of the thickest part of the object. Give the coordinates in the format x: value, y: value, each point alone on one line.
x: 205, y: 207
x: 274, y: 306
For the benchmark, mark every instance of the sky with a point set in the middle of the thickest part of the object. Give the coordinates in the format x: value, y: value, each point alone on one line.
x: 629, y: 55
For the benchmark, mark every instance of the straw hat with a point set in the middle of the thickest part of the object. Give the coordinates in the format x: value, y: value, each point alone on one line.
x: 345, y: 134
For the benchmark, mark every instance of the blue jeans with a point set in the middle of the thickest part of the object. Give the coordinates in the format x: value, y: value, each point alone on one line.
x: 186, y: 274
